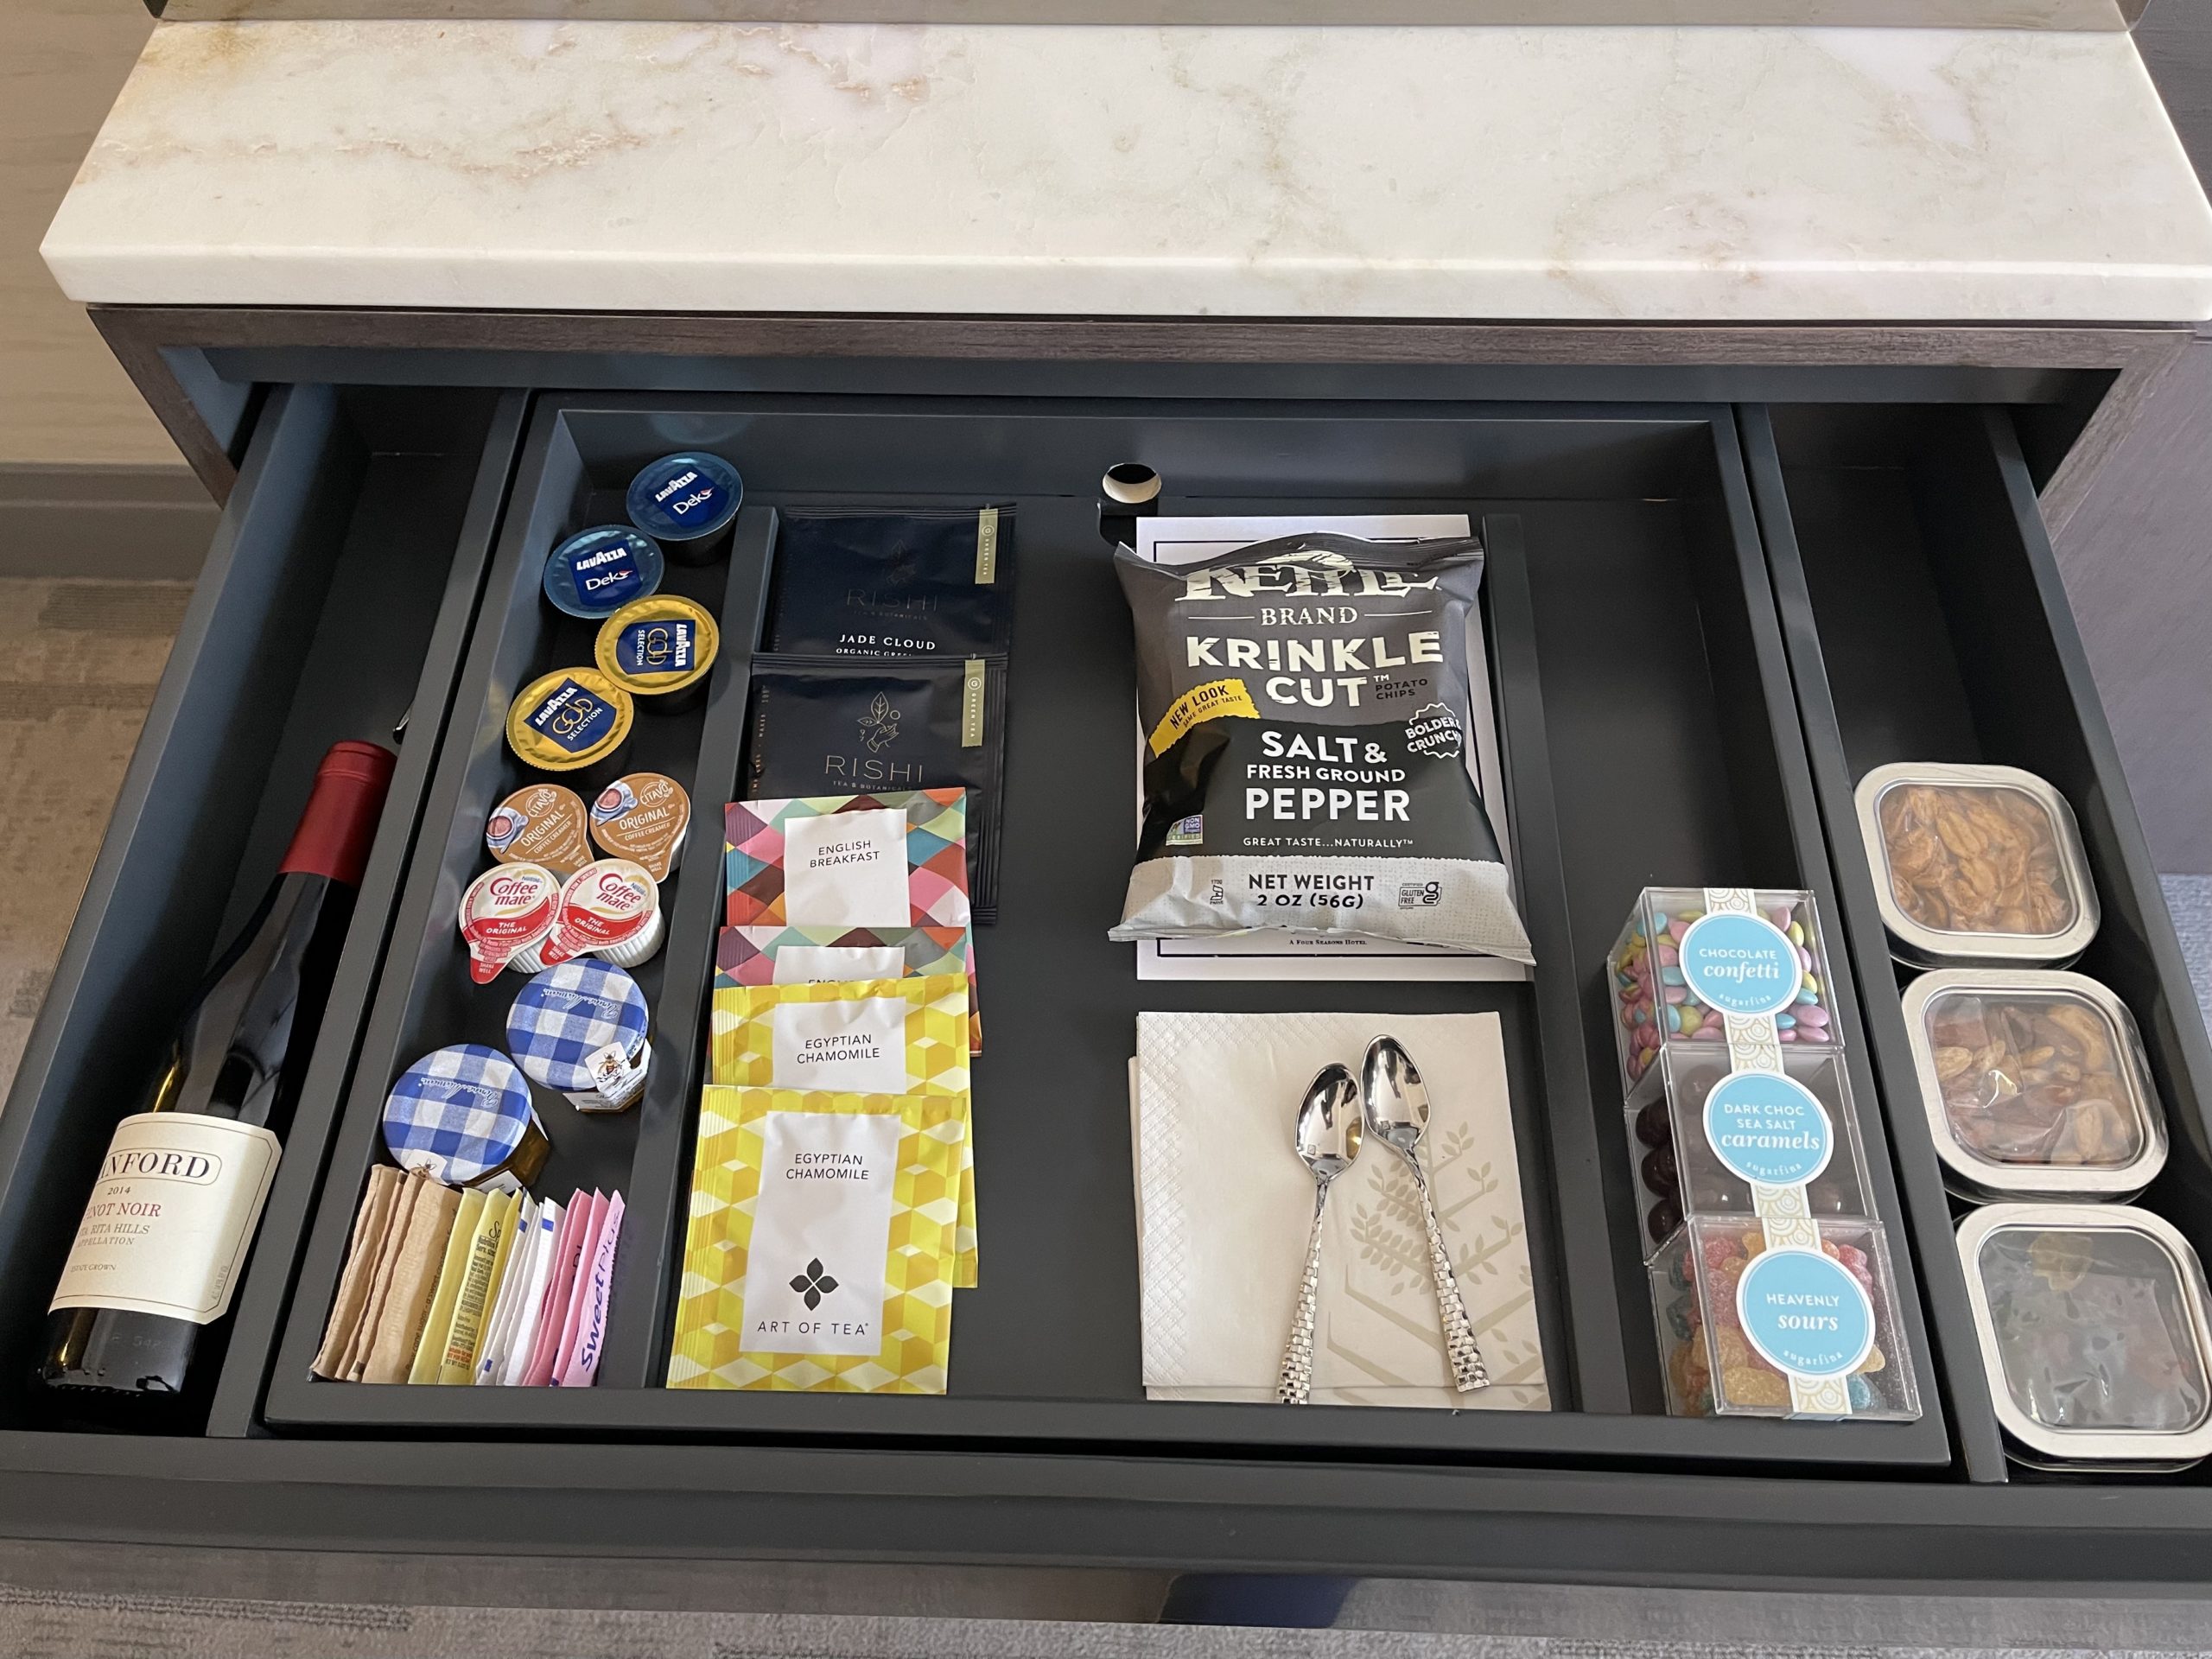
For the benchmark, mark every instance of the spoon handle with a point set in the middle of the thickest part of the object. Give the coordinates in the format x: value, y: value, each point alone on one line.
x: 1468, y: 1372
x: 1296, y: 1386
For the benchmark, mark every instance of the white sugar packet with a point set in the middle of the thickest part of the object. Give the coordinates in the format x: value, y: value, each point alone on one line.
x: 1224, y: 1205
x: 528, y: 1311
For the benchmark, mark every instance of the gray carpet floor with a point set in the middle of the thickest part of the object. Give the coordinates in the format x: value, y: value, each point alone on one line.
x: 106, y: 1600
x: 82, y: 659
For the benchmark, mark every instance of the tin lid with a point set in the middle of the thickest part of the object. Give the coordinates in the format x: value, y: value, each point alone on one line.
x: 458, y: 1114
x: 569, y: 719
x: 1976, y: 865
x: 2035, y: 1083
x: 567, y: 1015
x: 655, y: 646
x: 2096, y: 1333
x: 596, y: 572
x: 682, y: 497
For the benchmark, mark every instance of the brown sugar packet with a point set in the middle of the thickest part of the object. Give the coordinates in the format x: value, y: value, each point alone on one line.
x: 361, y: 1254
x: 414, y: 1278
x: 395, y: 1235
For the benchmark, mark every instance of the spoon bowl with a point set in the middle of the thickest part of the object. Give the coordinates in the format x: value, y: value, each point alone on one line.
x: 1330, y: 1123
x: 1393, y: 1098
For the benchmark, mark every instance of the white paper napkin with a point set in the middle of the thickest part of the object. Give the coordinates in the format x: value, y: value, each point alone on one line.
x: 1223, y: 1203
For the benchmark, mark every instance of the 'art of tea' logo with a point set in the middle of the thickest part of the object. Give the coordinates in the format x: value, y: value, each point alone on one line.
x: 879, y: 726
x: 814, y: 1284
x: 1434, y: 732
x: 1739, y: 965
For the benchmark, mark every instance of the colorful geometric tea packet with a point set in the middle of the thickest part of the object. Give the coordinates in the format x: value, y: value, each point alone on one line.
x: 820, y: 1249
x: 894, y: 860
x: 800, y: 955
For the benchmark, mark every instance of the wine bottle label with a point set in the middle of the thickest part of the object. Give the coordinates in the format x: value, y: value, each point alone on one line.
x: 171, y: 1217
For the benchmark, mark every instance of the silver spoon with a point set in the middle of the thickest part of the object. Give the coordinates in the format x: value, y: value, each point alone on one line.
x: 1328, y: 1140
x: 1397, y: 1114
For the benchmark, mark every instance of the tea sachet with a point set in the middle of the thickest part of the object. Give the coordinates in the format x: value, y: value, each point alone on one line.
x: 823, y: 727
x: 890, y: 1036
x: 820, y: 1249
x: 923, y: 583
x: 897, y: 859
x: 804, y: 956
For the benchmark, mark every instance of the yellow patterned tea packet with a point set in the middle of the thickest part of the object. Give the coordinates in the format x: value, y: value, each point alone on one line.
x: 882, y: 1036
x: 819, y: 1251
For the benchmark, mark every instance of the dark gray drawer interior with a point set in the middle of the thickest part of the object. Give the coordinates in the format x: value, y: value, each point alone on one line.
x: 1839, y: 590
x: 1609, y: 529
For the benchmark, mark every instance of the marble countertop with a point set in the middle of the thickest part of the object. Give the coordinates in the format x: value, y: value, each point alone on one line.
x: 1599, y: 173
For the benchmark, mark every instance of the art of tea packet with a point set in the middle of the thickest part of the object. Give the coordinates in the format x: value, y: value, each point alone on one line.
x: 885, y: 1036
x: 819, y: 1254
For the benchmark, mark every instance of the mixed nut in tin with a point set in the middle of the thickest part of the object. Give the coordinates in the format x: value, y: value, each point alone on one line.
x: 2034, y: 1084
x: 1976, y: 865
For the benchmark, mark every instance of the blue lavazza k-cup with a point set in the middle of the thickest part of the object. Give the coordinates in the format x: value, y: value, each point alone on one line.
x: 596, y: 572
x: 688, y: 503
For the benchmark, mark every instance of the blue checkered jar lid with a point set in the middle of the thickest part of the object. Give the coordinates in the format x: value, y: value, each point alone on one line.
x: 569, y: 1012
x: 458, y: 1114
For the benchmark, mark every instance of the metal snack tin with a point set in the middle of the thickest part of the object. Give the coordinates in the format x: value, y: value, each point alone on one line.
x: 2134, y: 1124
x: 1916, y: 940
x: 2097, y: 1314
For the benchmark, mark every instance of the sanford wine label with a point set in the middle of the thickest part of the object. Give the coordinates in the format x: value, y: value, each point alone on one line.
x: 838, y: 728
x: 893, y: 584
x: 1305, y: 710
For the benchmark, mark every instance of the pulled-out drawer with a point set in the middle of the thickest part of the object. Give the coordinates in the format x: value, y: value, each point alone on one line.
x: 1704, y: 622
x: 1648, y: 735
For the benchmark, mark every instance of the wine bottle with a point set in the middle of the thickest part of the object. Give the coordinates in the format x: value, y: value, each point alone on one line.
x: 173, y: 1207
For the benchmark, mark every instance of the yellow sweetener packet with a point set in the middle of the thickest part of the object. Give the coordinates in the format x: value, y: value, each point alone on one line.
x: 430, y: 1351
x: 479, y: 1283
x: 819, y: 1253
x: 882, y: 1036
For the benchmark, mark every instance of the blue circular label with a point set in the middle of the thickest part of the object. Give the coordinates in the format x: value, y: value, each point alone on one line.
x: 1768, y: 1128
x: 596, y: 572
x: 681, y: 497
x: 1739, y: 965
x: 1805, y: 1314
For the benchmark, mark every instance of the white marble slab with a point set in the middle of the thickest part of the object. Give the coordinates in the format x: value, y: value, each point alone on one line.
x: 1534, y: 173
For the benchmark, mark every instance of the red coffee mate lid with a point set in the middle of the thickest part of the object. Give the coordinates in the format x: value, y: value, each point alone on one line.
x: 606, y: 903
x: 505, y: 911
x: 341, y: 820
